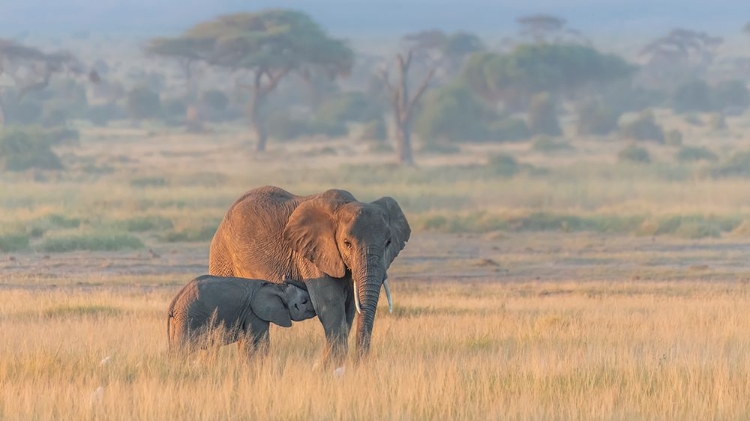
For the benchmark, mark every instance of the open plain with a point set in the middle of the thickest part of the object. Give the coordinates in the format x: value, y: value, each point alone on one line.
x: 576, y: 288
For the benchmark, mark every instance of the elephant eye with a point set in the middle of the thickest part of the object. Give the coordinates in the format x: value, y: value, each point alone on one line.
x: 388, y: 243
x: 347, y: 244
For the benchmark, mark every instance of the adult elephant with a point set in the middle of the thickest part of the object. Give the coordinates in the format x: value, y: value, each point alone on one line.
x: 340, y: 247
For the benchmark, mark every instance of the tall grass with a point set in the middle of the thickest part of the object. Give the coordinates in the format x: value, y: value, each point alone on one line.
x: 527, y: 351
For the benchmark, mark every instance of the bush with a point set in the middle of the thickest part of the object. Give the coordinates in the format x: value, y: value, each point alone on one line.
x: 730, y: 94
x: 441, y: 148
x: 349, y: 107
x: 20, y: 151
x: 542, y: 116
x: 174, y: 110
x: 454, y: 114
x: 644, y: 127
x: 673, y: 138
x: 595, y: 118
x: 143, y: 103
x: 738, y: 165
x: 13, y: 242
x: 503, y: 165
x: 692, y: 96
x: 693, y: 154
x: 375, y: 130
x: 548, y: 144
x: 693, y: 120
x: 54, y: 116
x: 509, y: 130
x: 26, y: 112
x: 215, y: 99
x: 634, y: 154
x: 101, y: 115
x: 282, y: 127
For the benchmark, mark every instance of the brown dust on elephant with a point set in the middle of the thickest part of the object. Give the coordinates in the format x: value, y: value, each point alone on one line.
x: 340, y: 247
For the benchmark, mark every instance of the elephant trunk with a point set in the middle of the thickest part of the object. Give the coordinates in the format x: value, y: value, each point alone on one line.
x: 367, y: 284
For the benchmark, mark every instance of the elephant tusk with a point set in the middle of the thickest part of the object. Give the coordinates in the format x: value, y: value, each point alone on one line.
x: 356, y: 298
x: 388, y: 295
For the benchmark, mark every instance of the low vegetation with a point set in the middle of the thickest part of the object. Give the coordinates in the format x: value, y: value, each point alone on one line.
x: 464, y: 351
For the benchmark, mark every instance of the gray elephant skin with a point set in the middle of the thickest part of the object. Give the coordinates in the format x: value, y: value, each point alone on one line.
x: 340, y: 247
x: 242, y: 308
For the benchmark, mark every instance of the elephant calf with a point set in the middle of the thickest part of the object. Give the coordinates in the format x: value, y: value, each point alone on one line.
x: 238, y: 309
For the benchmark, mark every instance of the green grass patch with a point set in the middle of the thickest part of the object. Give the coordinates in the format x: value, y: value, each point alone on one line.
x: 90, y: 242
x: 145, y: 223
x: 186, y: 235
x: 685, y: 226
x: 13, y: 242
x: 66, y: 311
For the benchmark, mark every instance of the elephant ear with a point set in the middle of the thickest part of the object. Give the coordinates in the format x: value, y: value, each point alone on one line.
x: 400, y: 230
x: 267, y: 304
x: 311, y: 232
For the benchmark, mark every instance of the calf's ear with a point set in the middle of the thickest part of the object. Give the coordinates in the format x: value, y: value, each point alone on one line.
x: 267, y: 304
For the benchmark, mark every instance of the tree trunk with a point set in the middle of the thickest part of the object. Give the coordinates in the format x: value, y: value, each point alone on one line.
x: 403, y: 139
x: 261, y: 136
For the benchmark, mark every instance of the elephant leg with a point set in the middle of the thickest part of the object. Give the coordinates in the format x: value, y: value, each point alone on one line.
x: 329, y: 300
x: 255, y: 341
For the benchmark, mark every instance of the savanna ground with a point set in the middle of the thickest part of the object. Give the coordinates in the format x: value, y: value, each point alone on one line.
x: 579, y: 288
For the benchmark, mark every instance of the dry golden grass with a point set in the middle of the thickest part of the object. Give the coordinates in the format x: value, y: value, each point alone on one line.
x: 525, y: 351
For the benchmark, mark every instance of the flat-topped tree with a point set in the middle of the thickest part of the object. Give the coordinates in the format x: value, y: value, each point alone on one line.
x: 31, y: 69
x: 444, y: 52
x: 267, y: 46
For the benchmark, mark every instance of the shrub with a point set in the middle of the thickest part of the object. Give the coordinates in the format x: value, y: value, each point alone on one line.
x: 454, y: 114
x: 146, y: 223
x: 503, y: 165
x: 101, y: 115
x: 215, y: 99
x: 730, y: 94
x: 54, y: 115
x: 634, y: 154
x: 595, y: 118
x: 693, y: 154
x: 25, y: 112
x: 375, y: 130
x: 548, y: 144
x: 349, y: 106
x: 441, y: 148
x: 174, y: 110
x: 692, y: 96
x: 509, y: 130
x: 643, y: 127
x: 13, y: 242
x: 673, y: 138
x: 738, y: 165
x: 143, y: 103
x: 542, y: 116
x: 282, y: 127
x: 20, y: 151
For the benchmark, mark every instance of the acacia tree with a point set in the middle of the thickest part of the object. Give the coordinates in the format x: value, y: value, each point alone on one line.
x: 403, y: 104
x: 263, y: 47
x: 543, y: 29
x: 445, y: 53
x: 31, y: 69
x: 679, y: 55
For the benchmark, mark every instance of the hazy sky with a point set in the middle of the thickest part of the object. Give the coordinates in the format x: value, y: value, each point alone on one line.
x: 372, y: 16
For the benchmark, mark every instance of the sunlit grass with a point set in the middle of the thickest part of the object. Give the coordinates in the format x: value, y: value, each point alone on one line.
x: 587, y: 351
